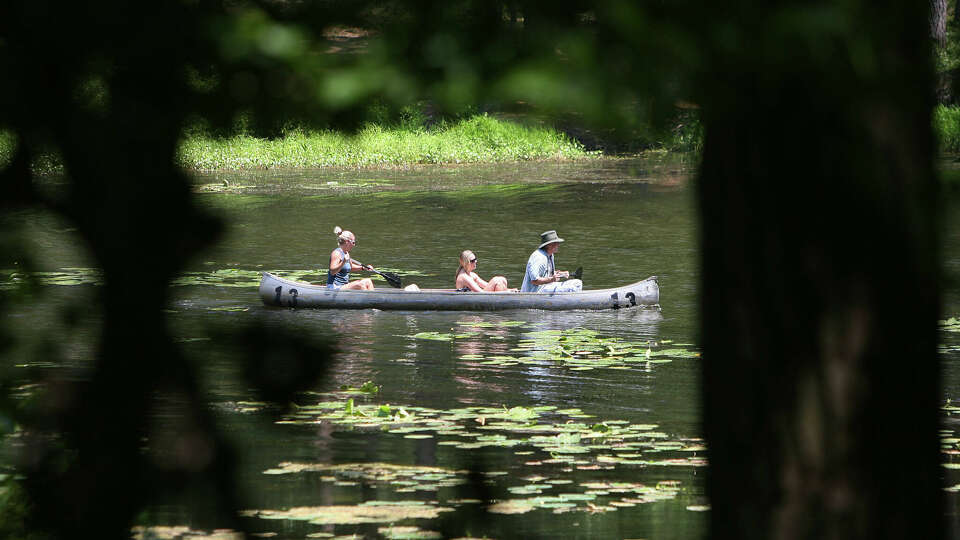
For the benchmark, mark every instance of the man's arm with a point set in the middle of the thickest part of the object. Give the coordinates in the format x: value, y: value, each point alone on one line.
x: 545, y: 280
x: 538, y: 271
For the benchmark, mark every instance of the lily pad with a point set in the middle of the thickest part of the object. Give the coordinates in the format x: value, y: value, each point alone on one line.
x: 435, y: 336
x: 582, y: 350
x: 951, y: 325
x: 521, y: 506
x: 407, y: 533
x: 550, y: 436
x: 64, y: 277
x: 369, y: 512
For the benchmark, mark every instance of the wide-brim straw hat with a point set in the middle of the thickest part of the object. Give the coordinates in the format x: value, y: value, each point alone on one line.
x: 549, y: 237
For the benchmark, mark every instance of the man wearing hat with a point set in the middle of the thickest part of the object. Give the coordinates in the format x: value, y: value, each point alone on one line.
x: 542, y: 275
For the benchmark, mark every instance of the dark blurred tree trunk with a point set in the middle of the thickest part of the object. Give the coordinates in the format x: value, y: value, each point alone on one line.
x: 820, y: 276
x: 95, y: 459
x: 938, y: 22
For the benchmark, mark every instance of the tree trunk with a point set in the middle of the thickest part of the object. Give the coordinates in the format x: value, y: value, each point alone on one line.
x: 938, y: 22
x: 820, y: 278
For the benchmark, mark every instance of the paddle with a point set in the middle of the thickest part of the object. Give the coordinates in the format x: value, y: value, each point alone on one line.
x: 392, y: 279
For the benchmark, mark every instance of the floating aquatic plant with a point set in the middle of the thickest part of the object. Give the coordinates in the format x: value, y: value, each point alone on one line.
x: 950, y: 325
x: 222, y: 277
x: 63, y: 277
x: 538, y: 435
x: 178, y: 532
x: 581, y: 349
x: 618, y: 495
x: 367, y: 387
x: 492, y: 324
x: 227, y: 277
x: 407, y: 533
x: 250, y: 277
x: 404, y: 478
x: 545, y: 428
x: 367, y: 512
x: 578, y: 349
x: 220, y: 187
x: 439, y: 336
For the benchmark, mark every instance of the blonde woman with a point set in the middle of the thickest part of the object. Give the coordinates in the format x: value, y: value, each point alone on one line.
x: 468, y: 279
x: 338, y: 275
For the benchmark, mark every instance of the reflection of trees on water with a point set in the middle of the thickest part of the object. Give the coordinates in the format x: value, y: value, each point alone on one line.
x: 379, y: 346
x: 489, y: 340
x: 638, y: 321
x: 471, y: 376
x: 355, y: 334
x: 474, y: 379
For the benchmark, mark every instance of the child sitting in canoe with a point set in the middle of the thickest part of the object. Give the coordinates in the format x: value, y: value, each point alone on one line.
x: 467, y: 278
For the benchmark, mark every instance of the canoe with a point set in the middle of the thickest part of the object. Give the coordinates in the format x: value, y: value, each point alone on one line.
x: 277, y: 291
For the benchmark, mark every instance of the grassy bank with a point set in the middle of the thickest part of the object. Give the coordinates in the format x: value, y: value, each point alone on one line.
x: 477, y: 139
x: 946, y: 124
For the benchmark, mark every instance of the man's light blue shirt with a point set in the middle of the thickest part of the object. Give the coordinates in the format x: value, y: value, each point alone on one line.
x: 539, y: 265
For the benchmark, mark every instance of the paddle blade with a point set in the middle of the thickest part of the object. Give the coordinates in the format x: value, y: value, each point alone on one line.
x: 578, y: 273
x: 392, y: 279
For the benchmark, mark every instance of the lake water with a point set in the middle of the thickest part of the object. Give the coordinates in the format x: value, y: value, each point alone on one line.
x: 617, y: 454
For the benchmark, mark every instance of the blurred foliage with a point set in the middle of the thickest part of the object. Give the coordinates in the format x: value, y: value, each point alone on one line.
x: 948, y: 57
x: 946, y: 122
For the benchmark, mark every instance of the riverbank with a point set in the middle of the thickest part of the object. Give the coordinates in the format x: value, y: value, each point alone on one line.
x: 479, y: 138
x: 476, y: 139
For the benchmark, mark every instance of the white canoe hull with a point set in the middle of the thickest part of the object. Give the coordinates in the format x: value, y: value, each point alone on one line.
x: 276, y: 291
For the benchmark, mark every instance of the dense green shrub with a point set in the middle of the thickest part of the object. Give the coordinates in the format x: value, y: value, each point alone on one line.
x: 479, y: 138
x: 685, y: 132
x: 946, y: 123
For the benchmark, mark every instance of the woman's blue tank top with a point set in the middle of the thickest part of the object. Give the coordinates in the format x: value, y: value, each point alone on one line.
x: 341, y: 278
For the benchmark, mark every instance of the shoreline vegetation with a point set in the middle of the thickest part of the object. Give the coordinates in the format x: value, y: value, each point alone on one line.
x: 475, y: 139
x: 946, y: 125
x: 479, y: 138
x: 382, y: 143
